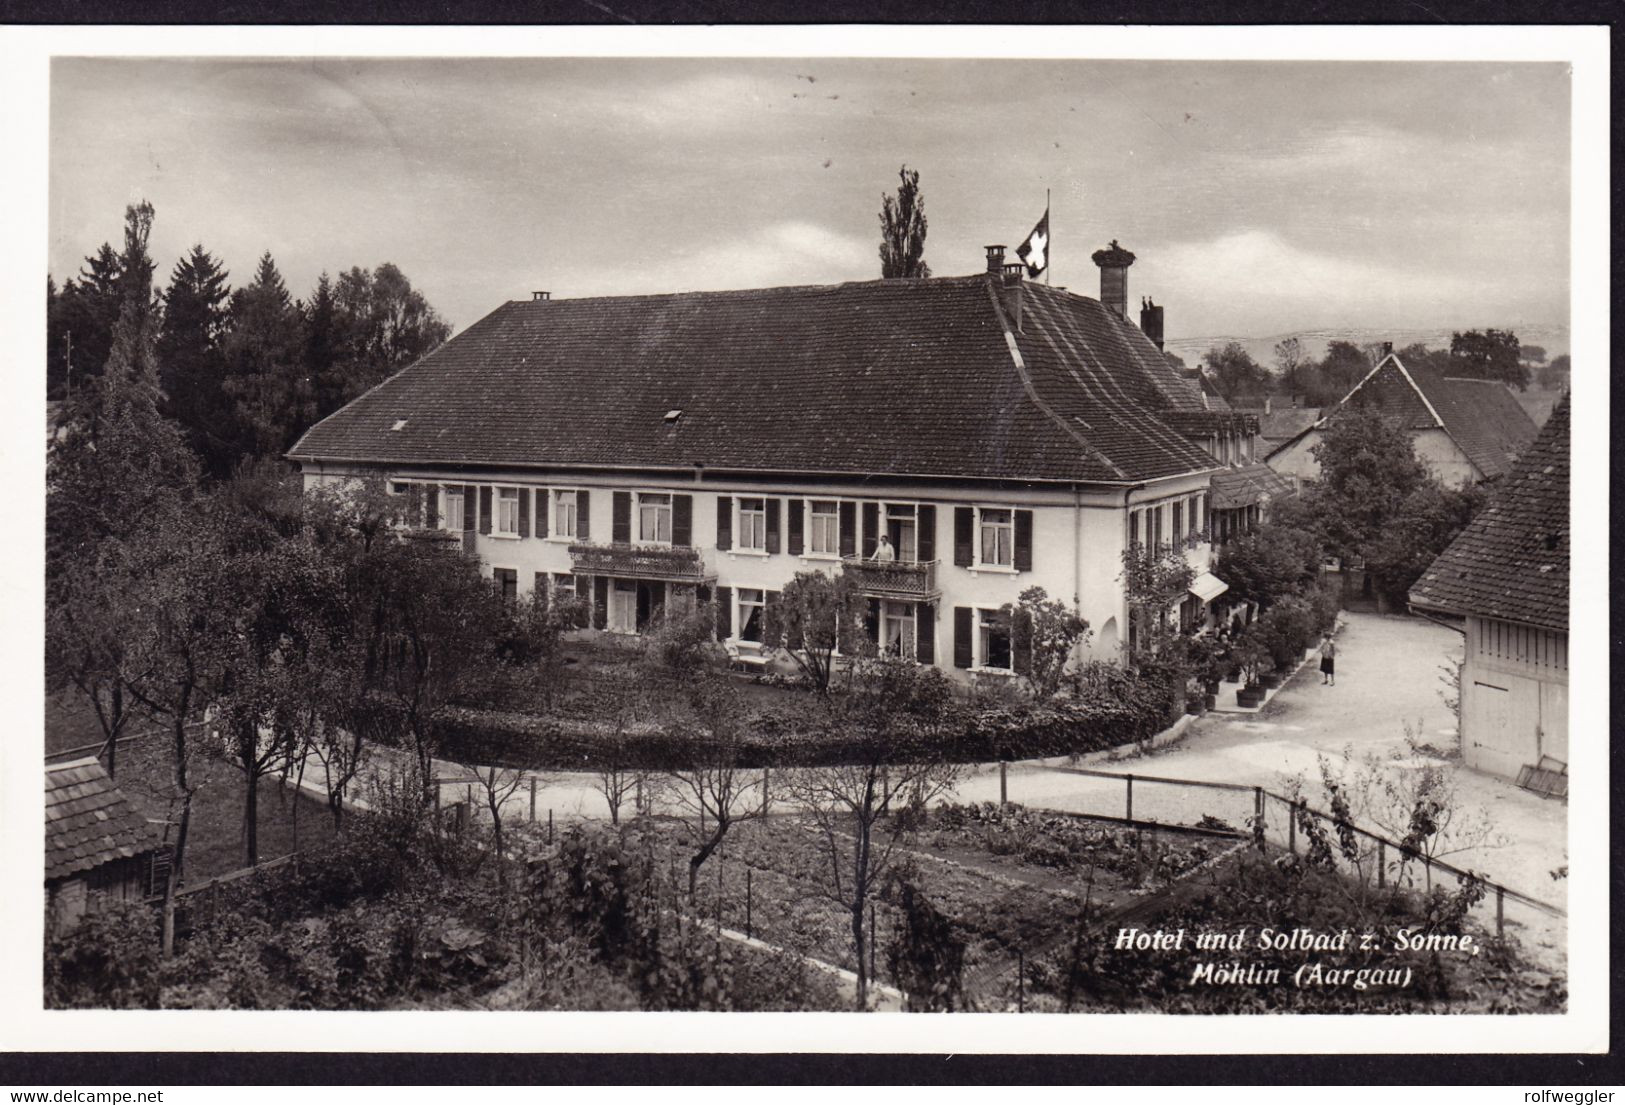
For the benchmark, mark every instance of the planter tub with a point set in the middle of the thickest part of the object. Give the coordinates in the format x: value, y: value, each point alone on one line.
x: 1249, y: 699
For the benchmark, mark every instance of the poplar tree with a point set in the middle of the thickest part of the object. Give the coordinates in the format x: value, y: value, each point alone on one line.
x: 902, y: 229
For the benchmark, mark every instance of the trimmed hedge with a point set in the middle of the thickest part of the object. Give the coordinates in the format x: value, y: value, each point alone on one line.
x: 780, y: 739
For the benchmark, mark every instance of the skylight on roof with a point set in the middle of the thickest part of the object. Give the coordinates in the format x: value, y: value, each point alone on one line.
x: 673, y: 415
x: 400, y: 424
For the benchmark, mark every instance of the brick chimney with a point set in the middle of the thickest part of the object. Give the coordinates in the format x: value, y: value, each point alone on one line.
x: 1114, y: 261
x: 1010, y: 288
x: 1151, y: 321
x: 995, y: 259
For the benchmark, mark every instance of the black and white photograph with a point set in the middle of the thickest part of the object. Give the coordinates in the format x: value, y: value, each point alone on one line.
x: 823, y: 530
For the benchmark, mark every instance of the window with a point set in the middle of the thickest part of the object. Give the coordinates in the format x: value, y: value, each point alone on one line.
x: 654, y: 518
x: 998, y: 538
x: 508, y: 511
x: 564, y: 514
x: 1178, y: 521
x: 452, y: 517
x: 824, y: 528
x: 992, y: 640
x: 753, y: 524
x: 507, y: 581
x: 901, y: 529
x: 752, y: 603
x: 1136, y: 528
x: 897, y: 633
x: 1156, y: 528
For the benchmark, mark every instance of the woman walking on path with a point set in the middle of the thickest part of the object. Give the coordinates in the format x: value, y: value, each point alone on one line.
x: 1328, y: 662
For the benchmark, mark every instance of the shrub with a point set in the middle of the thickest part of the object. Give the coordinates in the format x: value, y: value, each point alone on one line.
x: 109, y: 960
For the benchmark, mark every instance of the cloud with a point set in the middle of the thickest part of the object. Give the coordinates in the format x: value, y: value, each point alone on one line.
x: 782, y: 253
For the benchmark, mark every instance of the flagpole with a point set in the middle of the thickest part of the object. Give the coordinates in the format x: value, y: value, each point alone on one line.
x: 1049, y: 245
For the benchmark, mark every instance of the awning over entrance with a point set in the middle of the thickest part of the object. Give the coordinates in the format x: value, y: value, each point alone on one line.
x: 1208, y: 587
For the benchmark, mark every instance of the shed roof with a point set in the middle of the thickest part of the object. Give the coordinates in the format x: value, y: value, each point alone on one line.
x: 1512, y: 560
x: 88, y: 821
x: 929, y: 377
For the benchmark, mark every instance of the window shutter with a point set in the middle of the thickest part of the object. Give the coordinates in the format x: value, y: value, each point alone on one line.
x: 620, y: 518
x: 964, y: 539
x: 540, y: 589
x: 583, y: 516
x: 926, y: 539
x: 431, y: 506
x: 725, y: 522
x: 849, y: 528
x: 871, y: 622
x: 772, y: 620
x: 682, y: 520
x: 871, y: 528
x: 414, y: 504
x: 925, y: 631
x: 541, y: 511
x: 1021, y: 641
x: 773, y: 542
x: 524, y: 512
x: 485, y: 510
x: 1024, y: 540
x: 600, y: 602
x: 798, y: 521
x: 725, y: 612
x: 962, y: 637
x: 471, y: 505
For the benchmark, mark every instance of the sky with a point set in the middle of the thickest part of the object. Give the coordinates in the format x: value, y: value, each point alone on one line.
x: 1260, y: 197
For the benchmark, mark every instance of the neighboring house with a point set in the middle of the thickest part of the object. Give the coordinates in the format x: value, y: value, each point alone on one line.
x: 1507, y: 573
x: 663, y: 450
x: 1466, y: 431
x: 1279, y: 424
x: 98, y: 848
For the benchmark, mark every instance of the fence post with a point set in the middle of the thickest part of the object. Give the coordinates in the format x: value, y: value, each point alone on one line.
x: 1382, y: 863
x: 550, y: 824
x: 1500, y: 913
x: 720, y: 862
x: 1258, y: 808
x: 637, y: 797
x: 747, y: 903
x: 764, y: 792
x: 468, y: 796
x: 436, y: 793
x: 1128, y: 814
x: 1021, y: 981
x: 533, y: 798
x: 872, y: 979
x: 1004, y: 791
x: 1292, y: 828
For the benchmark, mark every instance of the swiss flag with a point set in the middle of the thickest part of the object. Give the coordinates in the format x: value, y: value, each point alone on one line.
x: 1034, y: 252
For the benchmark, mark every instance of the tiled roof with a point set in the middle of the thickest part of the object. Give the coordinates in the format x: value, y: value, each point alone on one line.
x: 912, y: 377
x: 88, y: 821
x: 1285, y: 422
x: 1246, y: 485
x: 1481, y: 416
x: 1512, y: 561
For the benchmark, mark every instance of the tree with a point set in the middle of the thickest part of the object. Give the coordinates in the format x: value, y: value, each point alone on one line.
x: 889, y: 715
x: 1275, y: 561
x: 1554, y: 374
x: 1234, y: 372
x: 1344, y: 365
x: 369, y: 326
x: 1044, y: 635
x: 270, y: 397
x: 1489, y: 355
x: 1422, y: 526
x: 192, y: 355
x: 1155, y: 581
x: 902, y: 230
x: 1534, y: 354
x: 1292, y: 367
x: 821, y: 616
x: 1418, y: 355
x: 1368, y: 466
x: 927, y: 954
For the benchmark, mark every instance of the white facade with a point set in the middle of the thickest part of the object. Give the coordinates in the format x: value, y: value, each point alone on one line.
x: 1070, y: 542
x: 1434, y: 448
x: 1514, y: 696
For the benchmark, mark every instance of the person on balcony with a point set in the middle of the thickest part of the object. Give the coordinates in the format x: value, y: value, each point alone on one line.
x: 884, y: 552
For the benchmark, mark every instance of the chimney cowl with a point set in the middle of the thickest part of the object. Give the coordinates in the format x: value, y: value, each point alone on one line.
x: 1114, y: 262
x: 537, y: 296
x: 995, y: 258
x: 1151, y: 320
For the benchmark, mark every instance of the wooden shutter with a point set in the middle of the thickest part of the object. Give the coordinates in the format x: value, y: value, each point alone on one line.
x: 964, y: 539
x: 725, y: 522
x: 849, y: 528
x: 798, y: 521
x: 485, y: 509
x: 414, y: 504
x: 926, y: 538
x: 1021, y: 641
x: 1024, y: 540
x: 540, y: 588
x: 772, y: 619
x: 871, y: 528
x: 600, y: 602
x: 524, y: 512
x: 431, y: 506
x: 963, y: 651
x: 773, y: 542
x: 725, y: 612
x: 583, y: 516
x: 541, y: 511
x: 620, y: 518
x: 925, y: 632
x: 471, y: 505
x: 682, y: 520
x: 871, y: 622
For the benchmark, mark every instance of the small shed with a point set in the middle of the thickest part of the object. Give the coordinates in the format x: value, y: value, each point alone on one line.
x: 99, y: 849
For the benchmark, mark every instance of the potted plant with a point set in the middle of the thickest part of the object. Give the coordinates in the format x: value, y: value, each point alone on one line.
x: 1251, y: 656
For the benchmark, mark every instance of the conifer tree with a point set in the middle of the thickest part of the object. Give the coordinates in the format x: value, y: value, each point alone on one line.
x: 190, y: 352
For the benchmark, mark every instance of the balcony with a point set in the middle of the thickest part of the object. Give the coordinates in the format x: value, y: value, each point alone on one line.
x: 908, y: 581
x: 668, y: 563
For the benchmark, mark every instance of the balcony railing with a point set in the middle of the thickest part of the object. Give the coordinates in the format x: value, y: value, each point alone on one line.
x: 641, y: 562
x: 912, y: 581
